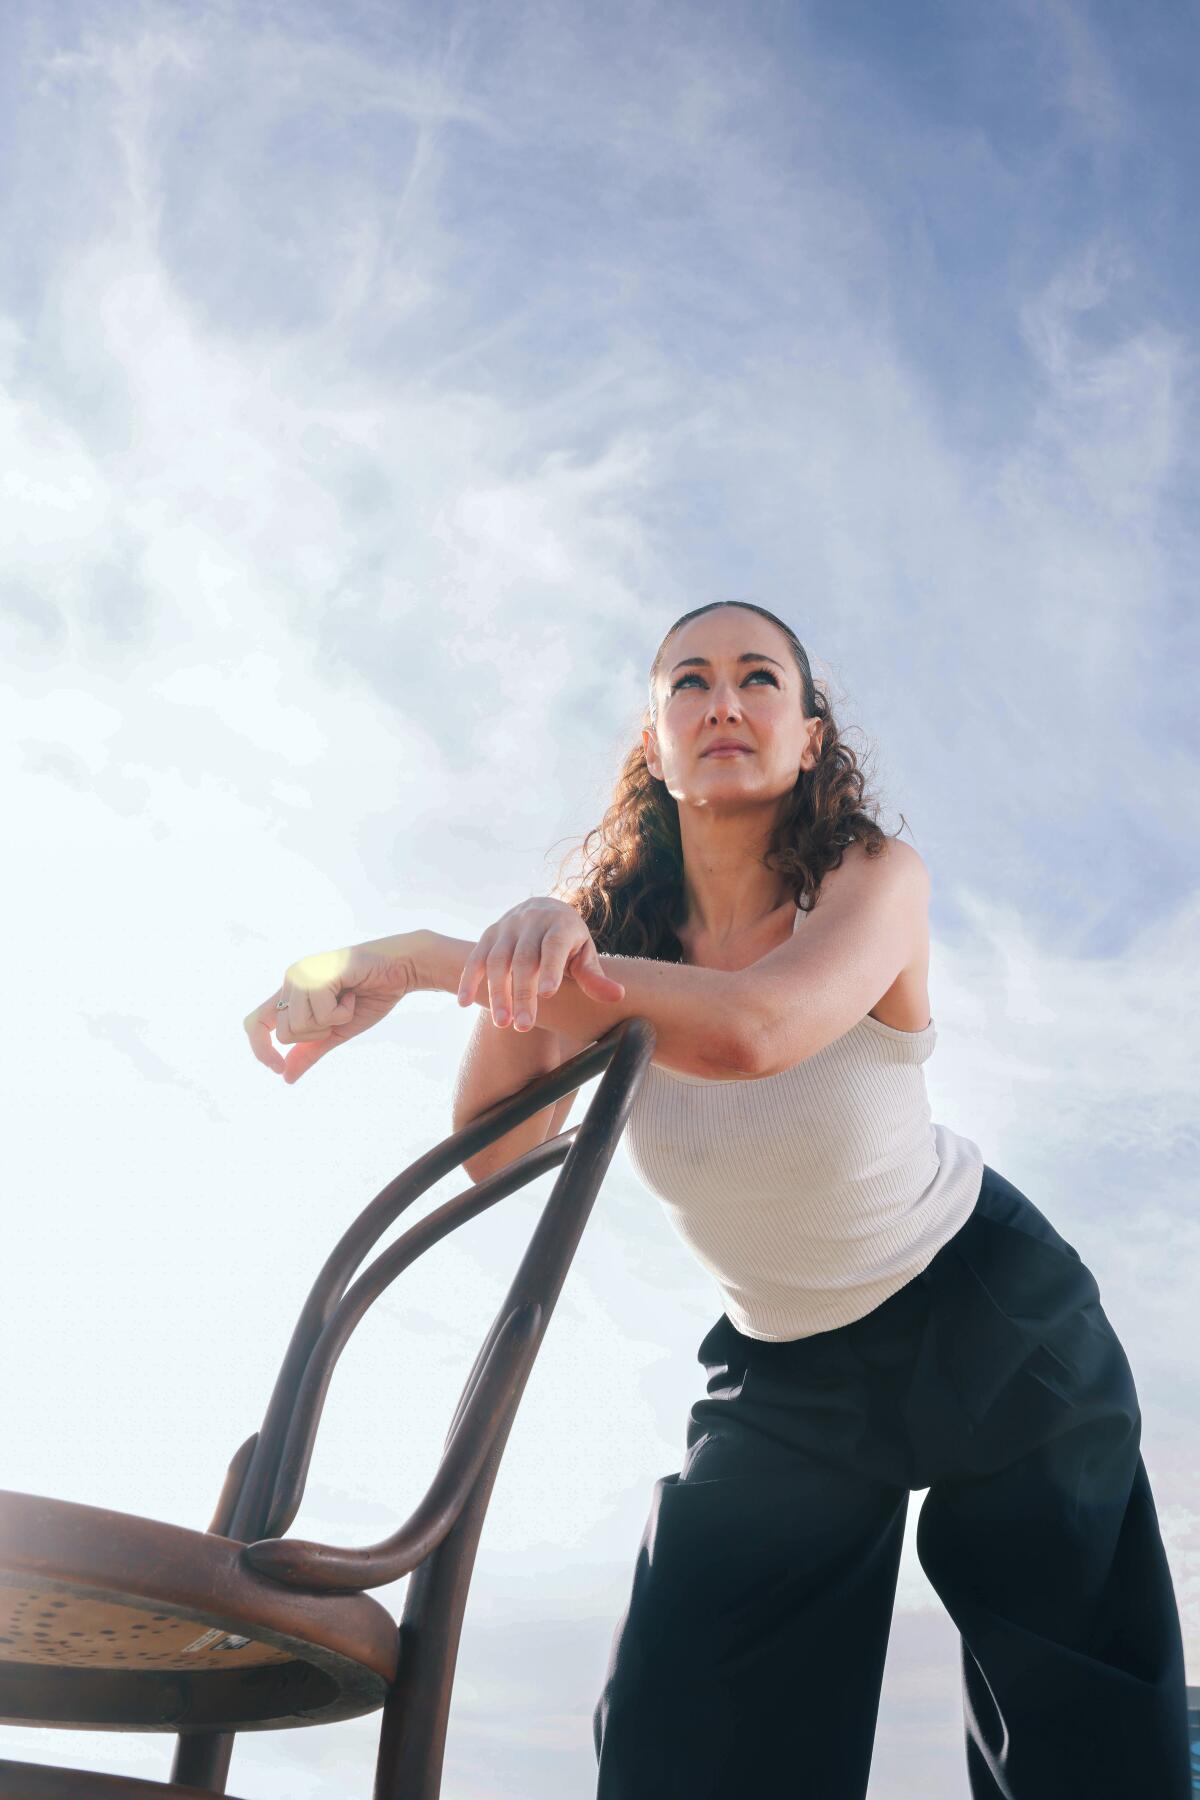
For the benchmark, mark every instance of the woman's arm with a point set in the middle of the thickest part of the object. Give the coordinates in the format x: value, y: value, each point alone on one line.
x: 697, y: 1015
x: 495, y: 1064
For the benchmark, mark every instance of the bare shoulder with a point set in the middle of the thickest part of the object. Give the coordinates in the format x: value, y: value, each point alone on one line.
x: 896, y: 861
x: 905, y: 880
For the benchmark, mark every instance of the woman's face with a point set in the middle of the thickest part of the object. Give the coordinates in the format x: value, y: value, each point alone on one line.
x: 729, y: 674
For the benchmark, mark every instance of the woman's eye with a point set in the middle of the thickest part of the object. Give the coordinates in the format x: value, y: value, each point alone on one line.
x: 693, y: 677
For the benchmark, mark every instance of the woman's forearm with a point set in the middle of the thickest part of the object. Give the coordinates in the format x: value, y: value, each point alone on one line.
x: 694, y: 1012
x: 495, y: 1064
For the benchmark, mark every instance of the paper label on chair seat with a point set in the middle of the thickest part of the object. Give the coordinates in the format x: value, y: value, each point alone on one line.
x: 207, y: 1639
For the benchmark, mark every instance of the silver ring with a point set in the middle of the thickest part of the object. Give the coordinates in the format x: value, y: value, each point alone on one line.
x: 279, y: 1004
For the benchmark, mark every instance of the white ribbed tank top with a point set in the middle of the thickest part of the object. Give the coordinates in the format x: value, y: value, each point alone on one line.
x: 813, y: 1194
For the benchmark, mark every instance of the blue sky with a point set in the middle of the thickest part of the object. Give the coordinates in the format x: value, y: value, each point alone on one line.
x: 377, y: 384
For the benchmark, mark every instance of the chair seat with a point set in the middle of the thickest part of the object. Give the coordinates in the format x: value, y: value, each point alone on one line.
x: 34, y: 1781
x: 109, y: 1621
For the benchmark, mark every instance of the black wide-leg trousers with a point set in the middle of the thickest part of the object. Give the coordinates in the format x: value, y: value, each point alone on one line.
x: 748, y: 1663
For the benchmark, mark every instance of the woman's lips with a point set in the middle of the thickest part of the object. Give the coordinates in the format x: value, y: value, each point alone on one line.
x: 730, y: 750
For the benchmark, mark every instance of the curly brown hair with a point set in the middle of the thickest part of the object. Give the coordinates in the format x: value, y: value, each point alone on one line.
x: 629, y: 891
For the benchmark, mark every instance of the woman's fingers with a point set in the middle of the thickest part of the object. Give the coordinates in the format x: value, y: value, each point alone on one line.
x: 300, y: 1023
x: 472, y: 970
x: 525, y: 965
x: 303, y: 1056
x: 511, y: 968
x: 592, y: 979
x: 258, y: 1026
x: 562, y: 955
x: 537, y: 951
x: 323, y: 1010
x: 317, y: 1033
x: 326, y: 999
x: 511, y: 961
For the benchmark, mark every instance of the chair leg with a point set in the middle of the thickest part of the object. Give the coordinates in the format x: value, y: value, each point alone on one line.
x: 412, y: 1742
x: 202, y: 1760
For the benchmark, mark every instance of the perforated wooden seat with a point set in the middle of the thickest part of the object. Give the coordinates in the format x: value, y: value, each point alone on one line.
x: 109, y: 1621
x: 114, y: 1621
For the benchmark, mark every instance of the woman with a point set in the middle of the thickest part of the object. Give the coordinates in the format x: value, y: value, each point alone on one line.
x: 897, y: 1315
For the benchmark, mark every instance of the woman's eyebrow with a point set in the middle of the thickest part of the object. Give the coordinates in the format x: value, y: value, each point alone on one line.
x: 746, y: 656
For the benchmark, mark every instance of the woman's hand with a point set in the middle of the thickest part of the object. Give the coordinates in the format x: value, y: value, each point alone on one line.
x: 331, y: 997
x: 526, y: 953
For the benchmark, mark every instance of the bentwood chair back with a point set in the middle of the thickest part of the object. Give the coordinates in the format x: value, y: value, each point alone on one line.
x: 117, y: 1622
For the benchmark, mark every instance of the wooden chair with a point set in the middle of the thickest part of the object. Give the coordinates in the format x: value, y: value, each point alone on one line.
x: 112, y: 1621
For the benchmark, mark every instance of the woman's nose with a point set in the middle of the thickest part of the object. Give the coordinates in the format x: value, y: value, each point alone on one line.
x: 723, y: 704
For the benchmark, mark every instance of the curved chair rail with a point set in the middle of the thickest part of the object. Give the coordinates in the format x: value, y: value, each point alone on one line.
x: 313, y: 1386
x: 623, y: 1053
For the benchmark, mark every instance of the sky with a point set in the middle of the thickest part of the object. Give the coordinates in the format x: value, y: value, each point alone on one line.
x: 377, y: 385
